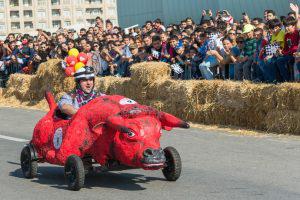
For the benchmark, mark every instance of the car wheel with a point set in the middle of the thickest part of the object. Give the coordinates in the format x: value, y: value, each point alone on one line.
x: 28, y: 164
x: 74, y: 173
x: 172, y: 169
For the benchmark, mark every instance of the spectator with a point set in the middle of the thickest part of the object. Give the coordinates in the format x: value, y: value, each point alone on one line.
x: 257, y: 50
x: 285, y: 55
x: 270, y: 15
x: 243, y: 68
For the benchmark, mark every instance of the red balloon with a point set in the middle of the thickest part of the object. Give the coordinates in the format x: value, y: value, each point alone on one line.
x: 71, y: 61
x: 82, y: 57
x: 69, y: 71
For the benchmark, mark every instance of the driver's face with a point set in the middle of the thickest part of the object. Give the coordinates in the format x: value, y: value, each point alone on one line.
x: 87, y: 85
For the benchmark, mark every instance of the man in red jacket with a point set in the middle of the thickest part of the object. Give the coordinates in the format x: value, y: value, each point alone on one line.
x: 291, y: 42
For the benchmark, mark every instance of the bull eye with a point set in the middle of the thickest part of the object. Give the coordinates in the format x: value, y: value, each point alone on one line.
x: 130, y: 134
x: 126, y: 101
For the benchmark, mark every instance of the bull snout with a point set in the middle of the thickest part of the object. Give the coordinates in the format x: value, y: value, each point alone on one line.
x: 153, y: 157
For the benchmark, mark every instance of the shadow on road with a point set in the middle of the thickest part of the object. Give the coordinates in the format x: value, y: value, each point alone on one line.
x: 54, y: 177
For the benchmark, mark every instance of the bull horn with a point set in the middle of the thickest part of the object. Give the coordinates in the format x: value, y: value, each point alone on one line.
x: 169, y: 120
x: 118, y: 123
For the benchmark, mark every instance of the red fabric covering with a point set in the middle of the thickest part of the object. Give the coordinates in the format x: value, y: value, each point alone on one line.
x: 100, y: 129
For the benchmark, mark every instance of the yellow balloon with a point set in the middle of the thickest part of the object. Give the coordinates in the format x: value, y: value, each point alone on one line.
x: 79, y: 65
x: 73, y: 52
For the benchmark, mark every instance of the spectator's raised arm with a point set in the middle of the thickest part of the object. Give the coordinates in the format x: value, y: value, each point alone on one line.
x: 42, y: 33
x: 295, y: 8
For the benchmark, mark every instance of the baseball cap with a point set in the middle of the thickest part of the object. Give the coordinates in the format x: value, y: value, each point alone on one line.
x: 248, y: 28
x: 133, y: 46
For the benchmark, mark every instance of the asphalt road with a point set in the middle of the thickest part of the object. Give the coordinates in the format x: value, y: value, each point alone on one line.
x: 216, y: 166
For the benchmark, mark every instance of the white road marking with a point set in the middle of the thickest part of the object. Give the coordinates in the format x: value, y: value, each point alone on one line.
x: 13, y: 138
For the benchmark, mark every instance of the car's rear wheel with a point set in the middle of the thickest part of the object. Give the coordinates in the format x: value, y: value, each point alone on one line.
x: 74, y: 173
x: 172, y: 169
x: 28, y: 164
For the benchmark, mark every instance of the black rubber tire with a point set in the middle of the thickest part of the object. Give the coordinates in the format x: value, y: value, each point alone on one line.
x: 28, y: 165
x: 172, y: 170
x: 74, y: 173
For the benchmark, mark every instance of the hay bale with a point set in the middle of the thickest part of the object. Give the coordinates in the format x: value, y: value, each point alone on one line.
x: 119, y: 86
x: 69, y: 84
x: 256, y: 106
x: 102, y: 84
x: 283, y: 121
x: 50, y: 77
x: 288, y: 96
x: 19, y: 85
x: 179, y: 101
x: 159, y: 105
x: 231, y: 103
x: 147, y: 72
x: 160, y: 89
x: 205, y: 91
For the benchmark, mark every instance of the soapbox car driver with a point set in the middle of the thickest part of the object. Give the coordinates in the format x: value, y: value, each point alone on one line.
x: 83, y: 93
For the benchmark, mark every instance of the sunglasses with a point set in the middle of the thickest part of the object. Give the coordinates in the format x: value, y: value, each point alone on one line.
x: 240, y: 41
x: 231, y: 33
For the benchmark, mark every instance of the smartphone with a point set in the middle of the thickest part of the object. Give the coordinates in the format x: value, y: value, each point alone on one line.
x: 207, y: 12
x: 245, y: 14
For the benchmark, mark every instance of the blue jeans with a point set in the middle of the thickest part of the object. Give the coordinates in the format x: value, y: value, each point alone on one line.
x: 268, y: 69
x: 123, y: 69
x: 282, y: 66
x: 206, y: 67
x: 256, y: 72
x: 243, y: 70
x: 297, y: 71
x: 187, y: 72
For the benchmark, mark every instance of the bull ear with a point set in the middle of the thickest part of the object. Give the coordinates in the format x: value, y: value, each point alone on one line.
x: 170, y: 121
x: 98, y: 128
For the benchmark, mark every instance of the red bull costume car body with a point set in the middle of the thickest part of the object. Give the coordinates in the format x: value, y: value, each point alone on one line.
x: 113, y: 131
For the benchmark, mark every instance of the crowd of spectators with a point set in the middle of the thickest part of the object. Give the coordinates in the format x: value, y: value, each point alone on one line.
x: 217, y: 47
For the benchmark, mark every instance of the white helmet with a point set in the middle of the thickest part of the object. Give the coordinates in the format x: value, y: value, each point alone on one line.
x: 84, y: 73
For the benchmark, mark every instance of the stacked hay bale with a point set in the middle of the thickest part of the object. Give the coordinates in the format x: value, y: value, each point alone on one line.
x: 143, y: 77
x: 255, y: 106
x: 286, y: 117
x: 273, y: 108
x: 20, y: 86
x: 231, y: 103
x: 111, y: 85
x: 31, y: 88
x: 51, y: 77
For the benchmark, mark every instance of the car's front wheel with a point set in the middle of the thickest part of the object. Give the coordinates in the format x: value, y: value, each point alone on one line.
x: 74, y: 173
x: 172, y: 169
x: 28, y: 164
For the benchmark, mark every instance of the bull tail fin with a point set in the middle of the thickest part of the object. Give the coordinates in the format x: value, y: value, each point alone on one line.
x: 50, y: 99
